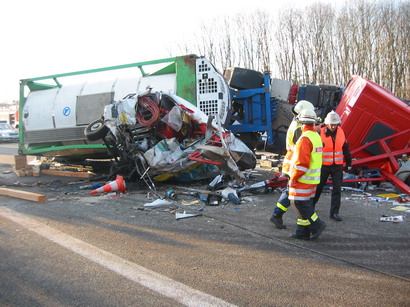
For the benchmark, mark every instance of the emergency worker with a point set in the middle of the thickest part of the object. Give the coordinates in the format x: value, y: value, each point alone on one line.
x: 335, y: 151
x: 292, y: 135
x: 304, y: 176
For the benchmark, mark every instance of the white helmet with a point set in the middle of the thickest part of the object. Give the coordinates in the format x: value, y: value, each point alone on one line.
x: 302, y: 105
x: 332, y: 118
x: 307, y: 116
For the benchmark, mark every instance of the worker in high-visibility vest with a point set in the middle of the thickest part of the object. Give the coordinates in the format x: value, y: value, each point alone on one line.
x: 305, y: 169
x: 292, y: 135
x: 335, y: 153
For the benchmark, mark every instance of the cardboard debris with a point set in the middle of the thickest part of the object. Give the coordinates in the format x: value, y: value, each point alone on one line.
x: 20, y: 162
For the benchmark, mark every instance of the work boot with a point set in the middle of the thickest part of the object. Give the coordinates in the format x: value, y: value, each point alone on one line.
x: 277, y: 220
x: 300, y: 237
x: 301, y: 233
x: 318, y: 232
x: 336, y: 217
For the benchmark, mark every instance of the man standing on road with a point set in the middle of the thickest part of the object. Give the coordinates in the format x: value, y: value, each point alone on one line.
x: 335, y: 150
x: 292, y: 135
x: 304, y: 176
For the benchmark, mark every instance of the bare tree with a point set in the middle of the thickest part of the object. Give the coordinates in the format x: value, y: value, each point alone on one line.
x: 317, y: 43
x: 286, y: 34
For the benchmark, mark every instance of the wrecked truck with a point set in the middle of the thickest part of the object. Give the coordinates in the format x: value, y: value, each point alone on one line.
x: 163, y: 136
x: 181, y: 106
x: 56, y: 109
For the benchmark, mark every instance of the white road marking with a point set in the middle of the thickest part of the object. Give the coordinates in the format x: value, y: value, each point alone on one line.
x: 138, y: 274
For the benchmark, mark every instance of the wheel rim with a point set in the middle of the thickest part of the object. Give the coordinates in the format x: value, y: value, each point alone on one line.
x: 96, y: 126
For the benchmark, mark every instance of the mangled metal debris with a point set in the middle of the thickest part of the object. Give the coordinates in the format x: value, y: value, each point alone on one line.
x: 157, y: 137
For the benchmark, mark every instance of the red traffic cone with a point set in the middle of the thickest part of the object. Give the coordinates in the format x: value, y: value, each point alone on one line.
x: 117, y: 185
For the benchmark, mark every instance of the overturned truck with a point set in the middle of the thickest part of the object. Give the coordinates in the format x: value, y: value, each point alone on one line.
x: 166, y: 123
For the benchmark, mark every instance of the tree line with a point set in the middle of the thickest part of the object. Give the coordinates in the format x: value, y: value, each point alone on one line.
x: 319, y: 43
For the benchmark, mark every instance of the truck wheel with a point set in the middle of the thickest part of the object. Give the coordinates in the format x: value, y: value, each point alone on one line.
x: 96, y: 130
x: 242, y: 78
x: 250, y: 139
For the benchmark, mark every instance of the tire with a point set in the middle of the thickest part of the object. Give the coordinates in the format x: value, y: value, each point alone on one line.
x: 250, y: 139
x: 242, y: 78
x: 96, y: 130
x: 284, y: 116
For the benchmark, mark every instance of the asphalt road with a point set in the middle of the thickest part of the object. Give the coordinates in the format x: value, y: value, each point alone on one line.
x: 81, y: 250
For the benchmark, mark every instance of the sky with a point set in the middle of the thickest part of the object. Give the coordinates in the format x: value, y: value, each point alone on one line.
x: 47, y: 37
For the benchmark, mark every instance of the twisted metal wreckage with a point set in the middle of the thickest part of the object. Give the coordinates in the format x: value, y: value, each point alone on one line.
x: 157, y: 136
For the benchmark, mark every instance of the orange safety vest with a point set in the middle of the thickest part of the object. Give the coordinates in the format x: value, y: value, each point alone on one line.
x: 333, y: 151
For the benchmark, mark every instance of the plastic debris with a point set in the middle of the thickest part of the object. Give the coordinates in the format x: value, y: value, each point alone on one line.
x: 91, y: 186
x: 216, y: 183
x: 231, y: 195
x: 394, y: 219
x: 170, y: 194
x: 378, y: 199
x: 352, y: 189
x: 203, y: 197
x: 278, y: 181
x: 185, y: 215
x: 213, y: 199
x: 194, y: 202
x: 158, y: 202
x: 389, y: 195
x: 403, y: 198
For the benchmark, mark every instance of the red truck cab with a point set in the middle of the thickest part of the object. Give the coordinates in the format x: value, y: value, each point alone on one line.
x: 369, y: 113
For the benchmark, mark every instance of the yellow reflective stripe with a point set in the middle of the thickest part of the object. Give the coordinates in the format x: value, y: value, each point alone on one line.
x: 279, y: 205
x: 303, y: 222
x: 314, y: 217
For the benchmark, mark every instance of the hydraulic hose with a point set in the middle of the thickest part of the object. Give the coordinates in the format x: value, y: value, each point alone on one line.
x: 147, y: 111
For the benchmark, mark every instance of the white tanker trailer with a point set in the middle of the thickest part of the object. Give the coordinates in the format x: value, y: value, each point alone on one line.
x: 53, y: 115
